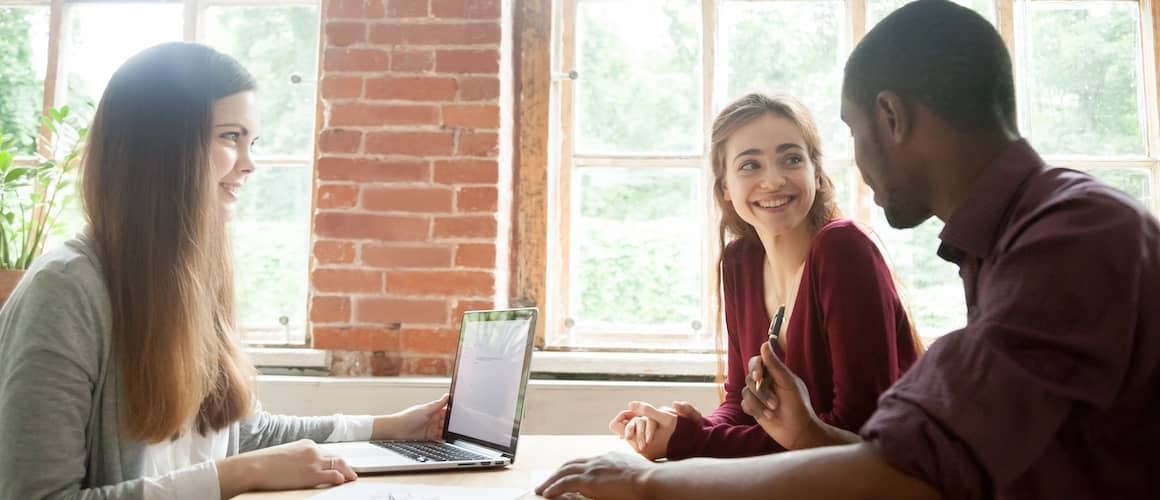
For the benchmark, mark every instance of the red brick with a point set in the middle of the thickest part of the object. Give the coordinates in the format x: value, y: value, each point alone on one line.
x: 477, y: 255
x: 357, y: 339
x: 413, y: 60
x: 342, y: 34
x: 462, y: 306
x: 467, y: 61
x: 333, y: 252
x: 467, y: 226
x: 337, y: 196
x: 361, y: 114
x: 410, y: 143
x: 433, y: 366
x: 347, y: 280
x: 342, y: 87
x: 330, y: 309
x: 473, y: 9
x: 466, y: 171
x: 358, y: 60
x: 441, y: 283
x: 354, y: 9
x: 413, y: 200
x: 405, y: 311
x: 477, y: 88
x: 339, y: 141
x: 471, y: 116
x: 477, y: 199
x: 442, y: 341
x: 412, y: 89
x: 409, y: 257
x: 371, y: 227
x: 407, y: 8
x: 435, y: 34
x: 484, y: 144
x: 369, y: 170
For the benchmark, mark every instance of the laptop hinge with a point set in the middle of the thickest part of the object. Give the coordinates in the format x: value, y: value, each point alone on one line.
x: 476, y: 448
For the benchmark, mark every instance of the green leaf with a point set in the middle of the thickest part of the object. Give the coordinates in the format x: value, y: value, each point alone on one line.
x: 16, y: 174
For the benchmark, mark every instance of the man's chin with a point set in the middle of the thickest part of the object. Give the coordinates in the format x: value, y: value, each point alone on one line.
x: 904, y: 219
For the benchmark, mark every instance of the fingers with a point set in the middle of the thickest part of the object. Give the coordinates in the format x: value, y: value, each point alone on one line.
x: 650, y: 429
x: 345, y: 469
x: 571, y: 467
x: 774, y: 365
x: 619, y: 422
x: 641, y: 425
x: 650, y: 411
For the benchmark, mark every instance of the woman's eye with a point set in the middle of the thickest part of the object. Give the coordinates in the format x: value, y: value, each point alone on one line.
x: 231, y: 136
x: 748, y: 166
x: 794, y: 160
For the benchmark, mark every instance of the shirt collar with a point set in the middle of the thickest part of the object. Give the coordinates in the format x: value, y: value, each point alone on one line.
x: 977, y: 223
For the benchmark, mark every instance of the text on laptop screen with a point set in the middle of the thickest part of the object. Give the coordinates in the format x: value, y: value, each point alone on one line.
x: 488, y: 378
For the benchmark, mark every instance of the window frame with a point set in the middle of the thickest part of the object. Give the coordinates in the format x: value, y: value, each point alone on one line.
x: 193, y: 30
x: 553, y: 162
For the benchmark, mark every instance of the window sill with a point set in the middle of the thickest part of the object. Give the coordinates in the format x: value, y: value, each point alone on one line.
x: 570, y: 364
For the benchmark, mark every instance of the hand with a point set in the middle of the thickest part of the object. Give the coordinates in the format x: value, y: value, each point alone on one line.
x: 290, y: 466
x: 646, y: 428
x: 419, y: 422
x: 613, y: 476
x: 686, y: 410
x: 782, y: 406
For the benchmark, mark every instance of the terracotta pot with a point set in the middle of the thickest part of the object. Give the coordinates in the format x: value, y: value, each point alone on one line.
x: 8, y: 280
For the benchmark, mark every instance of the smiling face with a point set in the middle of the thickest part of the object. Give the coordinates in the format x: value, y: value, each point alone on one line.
x: 769, y: 177
x: 235, y: 129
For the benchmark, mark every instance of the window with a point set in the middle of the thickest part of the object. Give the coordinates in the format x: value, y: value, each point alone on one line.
x: 276, y: 40
x: 634, y: 231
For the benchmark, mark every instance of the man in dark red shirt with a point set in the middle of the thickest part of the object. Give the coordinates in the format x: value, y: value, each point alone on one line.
x: 1051, y: 391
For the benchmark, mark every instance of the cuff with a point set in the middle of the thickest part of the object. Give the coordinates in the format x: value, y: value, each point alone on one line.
x: 351, y: 428
x: 686, y: 439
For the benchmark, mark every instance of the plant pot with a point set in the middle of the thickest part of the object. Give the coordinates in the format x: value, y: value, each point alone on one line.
x: 8, y: 280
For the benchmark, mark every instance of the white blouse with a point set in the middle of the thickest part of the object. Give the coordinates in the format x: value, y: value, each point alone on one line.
x: 186, y: 469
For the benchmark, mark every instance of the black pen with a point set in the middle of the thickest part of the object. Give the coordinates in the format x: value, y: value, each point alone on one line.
x: 774, y: 333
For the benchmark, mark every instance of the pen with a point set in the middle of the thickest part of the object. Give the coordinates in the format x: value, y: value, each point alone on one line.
x: 774, y: 333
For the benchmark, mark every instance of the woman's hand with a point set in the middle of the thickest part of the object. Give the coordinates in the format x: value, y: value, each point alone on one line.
x: 646, y: 428
x: 419, y: 422
x: 290, y: 466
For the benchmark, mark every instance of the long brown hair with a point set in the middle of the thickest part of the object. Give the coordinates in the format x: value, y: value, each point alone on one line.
x: 152, y: 202
x: 739, y: 114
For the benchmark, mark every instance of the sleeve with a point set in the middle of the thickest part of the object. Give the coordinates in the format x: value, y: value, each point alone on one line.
x: 263, y: 430
x: 351, y: 428
x: 198, y: 481
x: 859, y: 311
x: 985, y: 402
x: 50, y: 347
x: 728, y: 431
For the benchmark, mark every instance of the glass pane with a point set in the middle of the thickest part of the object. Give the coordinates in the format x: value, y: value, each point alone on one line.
x: 100, y: 37
x: 930, y: 287
x: 795, y: 48
x: 23, y: 48
x: 639, y: 89
x: 275, y: 44
x: 271, y: 233
x: 1083, y: 94
x: 1135, y: 182
x: 876, y: 10
x: 637, y: 249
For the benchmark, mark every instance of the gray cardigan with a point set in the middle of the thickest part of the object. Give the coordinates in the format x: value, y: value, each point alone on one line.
x: 60, y: 434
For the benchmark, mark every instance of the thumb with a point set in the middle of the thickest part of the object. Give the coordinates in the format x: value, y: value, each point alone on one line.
x: 438, y: 403
x: 777, y: 370
x: 650, y: 411
x: 686, y: 410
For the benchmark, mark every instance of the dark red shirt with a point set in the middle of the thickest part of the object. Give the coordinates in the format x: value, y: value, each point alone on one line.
x: 848, y: 338
x: 1052, y: 390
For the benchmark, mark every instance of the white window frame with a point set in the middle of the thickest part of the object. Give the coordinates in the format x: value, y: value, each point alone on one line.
x: 563, y: 161
x: 193, y: 30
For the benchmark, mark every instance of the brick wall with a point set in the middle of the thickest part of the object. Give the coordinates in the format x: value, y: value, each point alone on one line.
x: 407, y: 180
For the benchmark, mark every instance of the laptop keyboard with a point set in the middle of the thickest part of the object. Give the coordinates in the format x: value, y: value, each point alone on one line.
x: 429, y: 452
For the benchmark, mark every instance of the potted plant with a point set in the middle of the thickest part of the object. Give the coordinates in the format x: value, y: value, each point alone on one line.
x: 33, y: 194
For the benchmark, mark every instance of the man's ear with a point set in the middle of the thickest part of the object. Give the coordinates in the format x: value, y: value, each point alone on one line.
x: 892, y: 117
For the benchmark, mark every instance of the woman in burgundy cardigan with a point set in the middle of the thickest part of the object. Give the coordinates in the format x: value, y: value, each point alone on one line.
x: 844, y: 331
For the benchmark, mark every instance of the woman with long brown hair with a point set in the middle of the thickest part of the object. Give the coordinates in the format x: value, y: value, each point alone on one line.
x: 791, y: 270
x: 120, y: 375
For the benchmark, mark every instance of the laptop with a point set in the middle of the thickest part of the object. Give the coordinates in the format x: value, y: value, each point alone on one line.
x: 486, y: 406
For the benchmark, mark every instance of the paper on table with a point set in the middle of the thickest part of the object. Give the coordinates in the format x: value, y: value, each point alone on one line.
x: 400, y: 491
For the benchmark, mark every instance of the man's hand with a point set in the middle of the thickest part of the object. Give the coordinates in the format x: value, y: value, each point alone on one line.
x: 612, y: 476
x: 782, y: 405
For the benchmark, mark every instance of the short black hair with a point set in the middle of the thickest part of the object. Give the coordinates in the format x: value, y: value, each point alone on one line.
x: 943, y: 55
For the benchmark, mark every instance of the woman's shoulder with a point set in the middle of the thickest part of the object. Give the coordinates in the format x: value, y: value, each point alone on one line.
x: 743, y: 250
x: 72, y: 264
x: 841, y: 237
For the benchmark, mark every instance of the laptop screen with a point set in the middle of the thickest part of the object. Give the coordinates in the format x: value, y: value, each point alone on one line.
x: 491, y: 376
